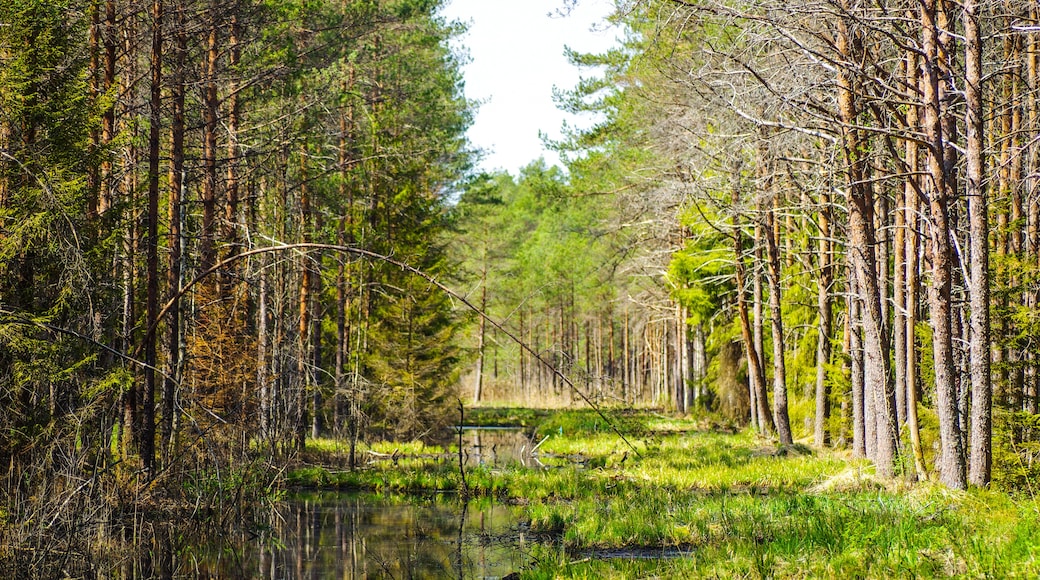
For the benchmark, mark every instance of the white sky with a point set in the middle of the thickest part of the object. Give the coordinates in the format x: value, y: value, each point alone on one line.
x: 516, y: 57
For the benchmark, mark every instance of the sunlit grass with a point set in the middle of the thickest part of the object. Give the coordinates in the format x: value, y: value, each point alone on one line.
x: 582, y: 422
x: 717, y: 504
x: 340, y: 446
x: 504, y: 416
x: 794, y: 535
x: 738, y: 506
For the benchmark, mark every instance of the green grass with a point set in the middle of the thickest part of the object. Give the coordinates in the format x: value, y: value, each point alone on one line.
x: 326, y: 445
x: 730, y: 505
x: 586, y: 421
x: 505, y: 417
x: 804, y: 535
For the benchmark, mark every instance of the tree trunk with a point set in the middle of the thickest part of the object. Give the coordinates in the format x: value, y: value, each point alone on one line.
x: 755, y: 370
x: 626, y: 359
x: 780, y: 416
x: 912, y: 196
x: 981, y: 391
x: 855, y: 350
x: 1013, y: 138
x: 262, y: 378
x: 823, y: 345
x: 698, y: 363
x: 900, y: 306
x: 231, y: 215
x: 951, y: 465
x: 1032, y: 169
x: 108, y: 116
x: 211, y: 116
x: 93, y: 68
x: 303, y: 331
x: 147, y: 435
x: 861, y: 250
x: 317, y: 399
x: 523, y: 356
x: 175, y: 273
x: 758, y: 322
x: 478, y: 381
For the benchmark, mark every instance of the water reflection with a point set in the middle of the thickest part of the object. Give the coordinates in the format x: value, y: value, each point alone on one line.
x: 499, y: 447
x: 345, y: 536
x: 496, y: 446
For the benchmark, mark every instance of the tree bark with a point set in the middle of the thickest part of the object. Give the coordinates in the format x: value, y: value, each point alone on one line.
x: 899, y: 337
x: 147, y: 434
x: 980, y: 462
x: 824, y: 324
x: 303, y: 331
x: 855, y: 351
x: 765, y: 420
x: 951, y: 465
x: 317, y: 398
x: 861, y: 249
x: 912, y: 195
x: 1032, y: 169
x: 780, y: 415
x: 478, y: 381
x: 211, y: 117
x: 108, y: 116
x: 263, y: 380
x: 175, y: 273
x: 231, y: 215
x: 758, y: 322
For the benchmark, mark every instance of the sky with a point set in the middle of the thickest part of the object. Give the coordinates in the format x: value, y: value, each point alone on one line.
x: 515, y: 50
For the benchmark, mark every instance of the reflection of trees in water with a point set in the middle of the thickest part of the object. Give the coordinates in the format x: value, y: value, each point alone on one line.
x: 366, y: 537
x: 497, y: 447
x: 337, y: 535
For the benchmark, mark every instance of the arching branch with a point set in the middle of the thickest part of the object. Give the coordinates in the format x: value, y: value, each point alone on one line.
x: 361, y: 253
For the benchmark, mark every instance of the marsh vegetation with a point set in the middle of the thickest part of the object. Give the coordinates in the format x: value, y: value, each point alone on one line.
x: 697, y: 498
x: 245, y: 253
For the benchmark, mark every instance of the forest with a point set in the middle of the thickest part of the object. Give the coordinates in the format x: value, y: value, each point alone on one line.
x: 232, y: 230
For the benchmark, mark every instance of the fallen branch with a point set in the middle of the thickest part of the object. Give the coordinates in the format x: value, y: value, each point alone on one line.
x: 534, y: 450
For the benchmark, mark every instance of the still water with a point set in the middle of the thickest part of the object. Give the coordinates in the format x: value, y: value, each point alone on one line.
x: 328, y: 534
x: 497, y: 447
x: 348, y: 535
x: 345, y: 536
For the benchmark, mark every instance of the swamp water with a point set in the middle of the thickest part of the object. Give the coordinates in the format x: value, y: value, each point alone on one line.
x: 348, y: 535
x: 496, y: 447
x: 342, y: 535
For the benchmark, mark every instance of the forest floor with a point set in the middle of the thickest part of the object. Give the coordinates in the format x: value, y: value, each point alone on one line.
x: 679, y: 498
